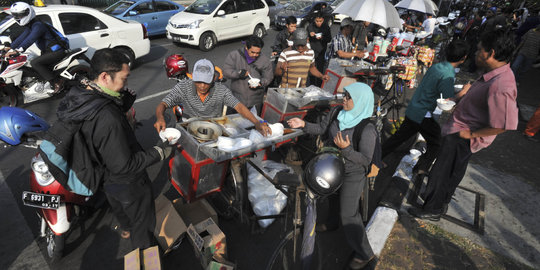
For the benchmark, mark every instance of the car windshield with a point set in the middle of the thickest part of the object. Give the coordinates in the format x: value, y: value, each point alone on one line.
x: 203, y: 6
x: 118, y: 7
x: 299, y: 6
x: 4, y: 17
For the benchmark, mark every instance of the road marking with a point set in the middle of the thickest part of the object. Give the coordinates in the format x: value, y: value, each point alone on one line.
x: 153, y: 96
x: 162, y: 45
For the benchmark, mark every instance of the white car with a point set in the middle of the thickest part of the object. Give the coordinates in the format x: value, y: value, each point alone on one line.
x: 86, y: 27
x: 206, y: 22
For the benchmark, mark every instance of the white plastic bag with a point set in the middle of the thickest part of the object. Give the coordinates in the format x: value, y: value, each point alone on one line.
x: 264, y: 197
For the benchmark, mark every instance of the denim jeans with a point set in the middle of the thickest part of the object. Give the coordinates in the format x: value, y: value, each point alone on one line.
x: 520, y: 65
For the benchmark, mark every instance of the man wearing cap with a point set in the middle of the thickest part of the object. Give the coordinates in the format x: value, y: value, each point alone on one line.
x: 202, y: 97
x: 297, y: 61
x: 341, y: 45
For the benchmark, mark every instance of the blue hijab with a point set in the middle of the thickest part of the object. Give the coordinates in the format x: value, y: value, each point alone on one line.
x: 362, y: 97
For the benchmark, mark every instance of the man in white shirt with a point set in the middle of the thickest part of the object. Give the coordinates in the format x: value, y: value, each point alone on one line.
x: 429, y: 24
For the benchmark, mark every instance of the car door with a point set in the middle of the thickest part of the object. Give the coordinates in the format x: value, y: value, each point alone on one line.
x: 274, y: 8
x: 85, y: 30
x: 164, y: 11
x: 244, y: 9
x: 144, y: 13
x: 226, y: 25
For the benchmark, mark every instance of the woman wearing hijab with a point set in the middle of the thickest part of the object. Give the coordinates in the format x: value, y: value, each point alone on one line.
x: 357, y: 105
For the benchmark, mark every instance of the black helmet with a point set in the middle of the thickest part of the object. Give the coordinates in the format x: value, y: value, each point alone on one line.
x: 324, y: 174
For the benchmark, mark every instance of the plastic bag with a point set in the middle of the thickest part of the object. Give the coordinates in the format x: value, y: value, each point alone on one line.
x: 264, y: 197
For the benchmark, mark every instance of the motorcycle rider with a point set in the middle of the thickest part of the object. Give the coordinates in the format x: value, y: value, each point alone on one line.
x: 35, y: 31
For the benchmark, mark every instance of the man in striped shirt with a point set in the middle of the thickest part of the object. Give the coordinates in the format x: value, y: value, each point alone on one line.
x: 295, y: 62
x: 201, y: 97
x: 341, y: 45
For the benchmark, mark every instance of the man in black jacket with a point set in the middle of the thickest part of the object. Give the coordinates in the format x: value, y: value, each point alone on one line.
x: 101, y: 106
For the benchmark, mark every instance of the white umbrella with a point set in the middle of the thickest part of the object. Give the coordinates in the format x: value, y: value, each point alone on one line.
x: 425, y: 6
x: 380, y: 12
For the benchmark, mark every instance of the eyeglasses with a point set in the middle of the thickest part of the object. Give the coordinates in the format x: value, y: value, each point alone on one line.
x: 346, y: 95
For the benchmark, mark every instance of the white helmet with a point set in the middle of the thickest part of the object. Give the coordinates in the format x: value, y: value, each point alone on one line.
x: 22, y: 12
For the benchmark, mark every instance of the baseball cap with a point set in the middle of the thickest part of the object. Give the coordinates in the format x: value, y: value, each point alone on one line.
x: 300, y: 36
x: 203, y: 71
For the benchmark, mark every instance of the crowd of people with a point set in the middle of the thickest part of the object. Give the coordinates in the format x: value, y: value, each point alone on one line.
x: 498, y: 43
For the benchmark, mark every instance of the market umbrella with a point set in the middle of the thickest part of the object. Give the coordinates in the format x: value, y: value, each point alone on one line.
x: 424, y: 6
x: 379, y: 12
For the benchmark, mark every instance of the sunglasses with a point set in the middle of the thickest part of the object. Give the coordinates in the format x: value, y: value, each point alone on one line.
x: 346, y: 95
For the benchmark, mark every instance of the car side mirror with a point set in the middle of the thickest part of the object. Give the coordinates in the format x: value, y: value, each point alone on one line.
x: 133, y: 13
x: 221, y: 12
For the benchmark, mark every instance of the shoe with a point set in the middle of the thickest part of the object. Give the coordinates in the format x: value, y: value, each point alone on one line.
x: 422, y: 214
x: 357, y: 264
x: 530, y: 138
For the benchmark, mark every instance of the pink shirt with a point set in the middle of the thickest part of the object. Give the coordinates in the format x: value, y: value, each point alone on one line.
x: 490, y: 103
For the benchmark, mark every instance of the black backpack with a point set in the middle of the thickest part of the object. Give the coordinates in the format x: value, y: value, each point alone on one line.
x: 376, y: 160
x: 70, y: 160
x: 60, y: 41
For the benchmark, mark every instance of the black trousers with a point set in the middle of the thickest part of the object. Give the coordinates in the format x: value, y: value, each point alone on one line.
x: 351, y: 219
x: 429, y: 129
x: 44, y: 63
x: 447, y: 172
x: 133, y: 206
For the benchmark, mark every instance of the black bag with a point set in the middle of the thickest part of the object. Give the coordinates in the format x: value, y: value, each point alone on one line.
x: 60, y: 41
x: 69, y: 159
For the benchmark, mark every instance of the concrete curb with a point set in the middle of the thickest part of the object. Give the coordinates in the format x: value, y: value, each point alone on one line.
x: 379, y: 227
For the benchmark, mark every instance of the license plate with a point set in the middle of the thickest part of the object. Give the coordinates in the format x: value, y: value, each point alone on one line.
x: 40, y: 200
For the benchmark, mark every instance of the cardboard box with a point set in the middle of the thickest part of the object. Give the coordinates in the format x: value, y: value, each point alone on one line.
x: 195, y: 212
x: 169, y: 224
x: 150, y: 261
x: 208, y: 241
x: 213, y: 265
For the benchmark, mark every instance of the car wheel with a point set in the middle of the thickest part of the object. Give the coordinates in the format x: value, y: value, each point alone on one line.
x: 129, y: 54
x: 207, y: 42
x: 259, y: 31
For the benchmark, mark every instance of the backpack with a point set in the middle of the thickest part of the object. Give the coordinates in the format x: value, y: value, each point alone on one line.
x: 60, y: 41
x: 66, y: 153
x: 376, y: 159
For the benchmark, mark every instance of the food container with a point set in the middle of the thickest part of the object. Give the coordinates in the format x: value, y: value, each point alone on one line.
x: 445, y: 104
x: 170, y: 134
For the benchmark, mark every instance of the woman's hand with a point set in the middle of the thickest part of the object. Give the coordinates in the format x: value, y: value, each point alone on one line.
x: 296, y: 123
x: 340, y: 142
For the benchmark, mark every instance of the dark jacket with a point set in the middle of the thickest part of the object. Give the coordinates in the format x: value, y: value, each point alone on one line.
x: 355, y: 161
x: 107, y: 133
x: 280, y: 43
x: 36, y: 32
x: 234, y: 69
x: 319, y: 45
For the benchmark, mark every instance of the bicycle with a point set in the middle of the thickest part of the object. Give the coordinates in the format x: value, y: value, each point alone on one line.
x: 287, y: 254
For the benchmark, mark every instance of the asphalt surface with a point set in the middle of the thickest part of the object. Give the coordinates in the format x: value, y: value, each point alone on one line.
x: 506, y: 173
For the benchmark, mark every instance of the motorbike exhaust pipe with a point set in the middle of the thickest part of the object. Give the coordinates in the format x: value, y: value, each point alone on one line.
x: 43, y: 226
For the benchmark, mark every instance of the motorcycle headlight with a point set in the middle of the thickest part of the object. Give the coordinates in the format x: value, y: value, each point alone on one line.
x: 41, y: 171
x: 195, y: 24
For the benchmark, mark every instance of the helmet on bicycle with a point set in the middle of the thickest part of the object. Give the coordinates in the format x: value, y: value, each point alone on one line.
x: 15, y: 122
x: 176, y: 65
x: 324, y: 173
x: 22, y: 12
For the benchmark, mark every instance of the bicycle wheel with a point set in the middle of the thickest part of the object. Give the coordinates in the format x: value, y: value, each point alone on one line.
x: 287, y: 258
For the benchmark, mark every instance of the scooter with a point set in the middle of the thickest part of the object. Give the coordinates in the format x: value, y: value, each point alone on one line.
x: 20, y: 84
x: 56, y: 206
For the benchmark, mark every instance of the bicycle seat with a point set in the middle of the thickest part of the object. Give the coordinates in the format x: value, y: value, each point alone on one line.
x: 286, y: 179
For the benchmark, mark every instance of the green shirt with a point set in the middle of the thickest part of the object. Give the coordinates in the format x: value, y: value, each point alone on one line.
x: 438, y: 79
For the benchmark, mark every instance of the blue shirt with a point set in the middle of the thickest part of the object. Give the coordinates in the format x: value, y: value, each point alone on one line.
x: 37, y: 32
x: 438, y: 79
